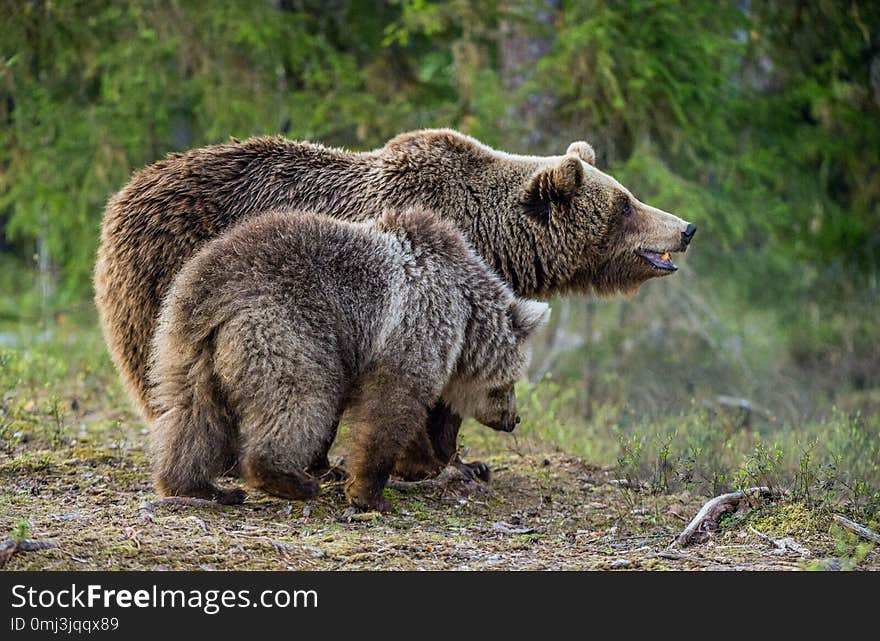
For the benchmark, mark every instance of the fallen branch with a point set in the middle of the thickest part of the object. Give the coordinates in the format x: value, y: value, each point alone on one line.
x: 783, y: 545
x: 858, y: 528
x: 10, y: 547
x: 709, y: 516
x: 764, y: 537
x: 450, y: 475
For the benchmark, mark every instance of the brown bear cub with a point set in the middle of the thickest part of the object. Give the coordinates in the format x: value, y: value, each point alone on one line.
x: 274, y: 329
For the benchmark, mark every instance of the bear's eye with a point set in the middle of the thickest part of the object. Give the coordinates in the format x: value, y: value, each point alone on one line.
x: 499, y: 393
x: 627, y: 208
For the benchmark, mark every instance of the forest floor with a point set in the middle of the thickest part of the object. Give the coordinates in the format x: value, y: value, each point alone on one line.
x: 82, y: 486
x: 76, y: 494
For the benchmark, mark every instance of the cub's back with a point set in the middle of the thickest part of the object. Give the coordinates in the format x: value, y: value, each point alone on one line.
x: 327, y: 281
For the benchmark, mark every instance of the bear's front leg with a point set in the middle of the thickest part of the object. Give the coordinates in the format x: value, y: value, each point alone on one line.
x: 385, y: 419
x: 418, y: 461
x: 443, y: 426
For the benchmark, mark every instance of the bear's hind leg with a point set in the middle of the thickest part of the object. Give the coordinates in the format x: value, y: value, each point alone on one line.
x: 186, y: 460
x: 280, y: 446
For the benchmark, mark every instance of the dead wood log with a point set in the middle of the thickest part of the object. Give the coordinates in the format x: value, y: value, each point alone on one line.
x: 9, y: 547
x: 858, y: 528
x: 710, y: 514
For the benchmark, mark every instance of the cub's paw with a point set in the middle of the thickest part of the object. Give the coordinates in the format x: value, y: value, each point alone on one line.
x: 295, y: 486
x: 476, y: 471
x: 365, y: 497
x: 234, y: 496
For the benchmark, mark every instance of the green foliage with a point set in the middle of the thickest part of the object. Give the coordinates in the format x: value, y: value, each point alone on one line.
x: 708, y: 110
x: 20, y: 532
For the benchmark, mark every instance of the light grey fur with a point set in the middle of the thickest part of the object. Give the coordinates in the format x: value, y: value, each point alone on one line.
x: 271, y: 331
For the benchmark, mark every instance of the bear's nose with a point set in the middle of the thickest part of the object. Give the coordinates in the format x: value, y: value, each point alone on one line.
x: 688, y: 233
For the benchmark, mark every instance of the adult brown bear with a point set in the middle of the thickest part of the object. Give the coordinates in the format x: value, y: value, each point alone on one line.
x: 547, y: 225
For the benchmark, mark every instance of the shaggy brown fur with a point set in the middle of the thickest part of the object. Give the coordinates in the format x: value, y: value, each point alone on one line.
x: 269, y: 332
x: 547, y: 225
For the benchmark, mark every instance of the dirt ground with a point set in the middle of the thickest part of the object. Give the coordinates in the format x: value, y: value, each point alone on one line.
x: 87, y: 497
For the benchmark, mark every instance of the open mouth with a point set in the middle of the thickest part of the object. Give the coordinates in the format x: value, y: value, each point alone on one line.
x: 659, y: 261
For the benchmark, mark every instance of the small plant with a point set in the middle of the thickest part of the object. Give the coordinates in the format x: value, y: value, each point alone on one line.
x: 20, y: 532
x: 687, y: 466
x: 630, y: 460
x: 56, y: 412
x: 761, y: 467
x: 660, y: 483
x: 805, y: 478
x: 546, y: 483
x: 849, y: 552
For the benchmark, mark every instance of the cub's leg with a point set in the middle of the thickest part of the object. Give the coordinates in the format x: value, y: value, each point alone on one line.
x: 320, y: 468
x: 192, y: 435
x: 418, y: 461
x: 283, y: 433
x: 287, y: 426
x: 436, y: 448
x: 288, y: 388
x: 189, y: 455
x: 386, y: 417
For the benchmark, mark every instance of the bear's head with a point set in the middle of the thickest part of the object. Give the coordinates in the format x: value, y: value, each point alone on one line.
x: 492, y: 361
x: 496, y: 408
x: 605, y: 239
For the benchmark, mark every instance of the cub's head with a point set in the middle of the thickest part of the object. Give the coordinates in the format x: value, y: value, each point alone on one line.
x: 492, y: 360
x: 603, y: 238
x: 497, y: 408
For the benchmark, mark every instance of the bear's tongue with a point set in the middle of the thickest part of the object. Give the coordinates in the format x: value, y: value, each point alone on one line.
x: 659, y: 261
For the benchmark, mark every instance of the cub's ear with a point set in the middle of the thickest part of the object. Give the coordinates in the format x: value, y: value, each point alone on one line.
x: 582, y: 150
x: 553, y: 186
x: 527, y: 315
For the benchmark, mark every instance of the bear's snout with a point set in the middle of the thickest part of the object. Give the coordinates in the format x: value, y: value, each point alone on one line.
x: 510, y: 422
x: 687, y: 234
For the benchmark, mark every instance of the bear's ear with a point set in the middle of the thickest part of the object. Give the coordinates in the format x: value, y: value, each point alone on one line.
x: 553, y: 186
x: 582, y: 150
x: 526, y: 316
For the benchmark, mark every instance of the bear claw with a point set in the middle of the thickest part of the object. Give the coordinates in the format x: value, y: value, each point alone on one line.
x: 475, y: 471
